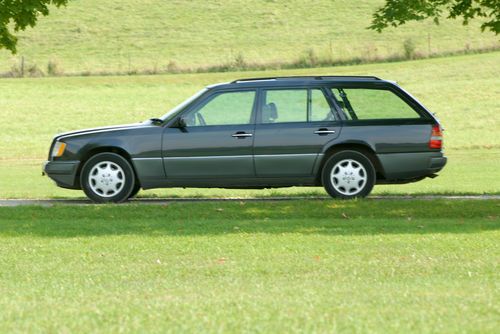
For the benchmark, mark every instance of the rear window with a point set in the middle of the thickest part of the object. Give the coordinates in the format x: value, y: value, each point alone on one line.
x: 367, y: 104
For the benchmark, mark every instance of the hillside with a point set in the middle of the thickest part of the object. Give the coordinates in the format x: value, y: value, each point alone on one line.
x: 136, y: 35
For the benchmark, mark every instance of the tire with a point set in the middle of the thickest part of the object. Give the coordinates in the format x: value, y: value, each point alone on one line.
x: 136, y: 189
x: 107, y: 178
x: 348, y: 175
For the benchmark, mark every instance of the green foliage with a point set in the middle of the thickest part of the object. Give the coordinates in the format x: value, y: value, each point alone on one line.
x: 397, y: 12
x: 22, y: 13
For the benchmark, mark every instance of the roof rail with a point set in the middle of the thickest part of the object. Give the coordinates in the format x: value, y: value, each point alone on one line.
x: 320, y: 77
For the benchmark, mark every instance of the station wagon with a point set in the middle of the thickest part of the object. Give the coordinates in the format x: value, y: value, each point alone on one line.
x: 345, y: 133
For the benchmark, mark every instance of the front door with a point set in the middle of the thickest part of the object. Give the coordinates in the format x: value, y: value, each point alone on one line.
x: 292, y: 128
x: 217, y: 141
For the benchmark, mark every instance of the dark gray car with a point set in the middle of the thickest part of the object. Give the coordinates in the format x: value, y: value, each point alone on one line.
x: 344, y: 133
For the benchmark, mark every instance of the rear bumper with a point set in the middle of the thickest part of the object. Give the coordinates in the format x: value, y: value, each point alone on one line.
x: 62, y: 172
x: 437, y: 163
x: 399, y: 166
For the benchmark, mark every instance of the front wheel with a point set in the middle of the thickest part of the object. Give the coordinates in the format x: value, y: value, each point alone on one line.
x: 135, y: 191
x: 348, y: 174
x: 107, y: 177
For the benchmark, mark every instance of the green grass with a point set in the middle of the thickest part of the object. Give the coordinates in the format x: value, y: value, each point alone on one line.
x: 461, y: 90
x: 130, y: 35
x: 309, y: 266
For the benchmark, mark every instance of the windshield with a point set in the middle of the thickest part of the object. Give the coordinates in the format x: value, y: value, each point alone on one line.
x: 175, y: 110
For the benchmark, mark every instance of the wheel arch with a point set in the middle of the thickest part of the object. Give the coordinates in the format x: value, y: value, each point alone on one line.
x: 105, y: 149
x: 360, y: 147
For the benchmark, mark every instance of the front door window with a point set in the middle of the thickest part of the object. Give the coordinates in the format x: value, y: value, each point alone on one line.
x: 231, y: 108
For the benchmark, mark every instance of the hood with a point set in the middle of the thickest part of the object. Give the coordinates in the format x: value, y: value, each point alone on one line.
x: 100, y: 129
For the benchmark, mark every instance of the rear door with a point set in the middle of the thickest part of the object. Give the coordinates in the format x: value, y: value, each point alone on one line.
x: 293, y: 125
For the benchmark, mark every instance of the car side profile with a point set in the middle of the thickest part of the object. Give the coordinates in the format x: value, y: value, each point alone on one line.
x: 345, y: 133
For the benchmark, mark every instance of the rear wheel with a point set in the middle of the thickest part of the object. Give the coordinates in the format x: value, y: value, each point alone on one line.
x: 348, y: 174
x: 107, y: 177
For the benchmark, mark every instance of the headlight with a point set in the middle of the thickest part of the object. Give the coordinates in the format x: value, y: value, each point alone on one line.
x: 58, y: 149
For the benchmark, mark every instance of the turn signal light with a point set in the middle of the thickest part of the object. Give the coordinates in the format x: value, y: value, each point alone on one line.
x: 58, y: 149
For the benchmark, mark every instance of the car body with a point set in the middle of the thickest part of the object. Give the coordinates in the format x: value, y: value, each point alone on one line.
x: 261, y: 133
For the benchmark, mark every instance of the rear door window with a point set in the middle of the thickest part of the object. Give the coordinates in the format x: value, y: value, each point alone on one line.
x: 320, y: 109
x: 295, y: 105
x: 283, y: 106
x: 369, y: 104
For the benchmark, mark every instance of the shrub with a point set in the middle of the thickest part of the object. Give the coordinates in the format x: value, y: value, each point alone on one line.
x: 54, y: 68
x: 15, y: 71
x: 239, y: 62
x: 172, y: 67
x: 409, y: 48
x: 34, y: 71
x: 308, y: 59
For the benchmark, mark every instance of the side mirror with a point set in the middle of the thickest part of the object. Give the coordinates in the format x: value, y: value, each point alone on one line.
x: 180, y: 123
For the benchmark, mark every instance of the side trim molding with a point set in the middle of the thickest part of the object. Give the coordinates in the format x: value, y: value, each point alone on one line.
x: 141, y: 159
x: 238, y: 156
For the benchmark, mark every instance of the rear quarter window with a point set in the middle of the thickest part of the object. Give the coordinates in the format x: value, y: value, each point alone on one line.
x: 369, y: 104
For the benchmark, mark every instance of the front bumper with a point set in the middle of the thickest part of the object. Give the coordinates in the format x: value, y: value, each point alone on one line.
x: 63, y: 173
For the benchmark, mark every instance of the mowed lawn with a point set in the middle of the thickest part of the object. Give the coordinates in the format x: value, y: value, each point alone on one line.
x: 301, y: 266
x: 463, y: 92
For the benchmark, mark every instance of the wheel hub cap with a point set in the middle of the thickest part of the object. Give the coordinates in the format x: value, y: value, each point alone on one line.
x: 106, y: 179
x: 348, y: 177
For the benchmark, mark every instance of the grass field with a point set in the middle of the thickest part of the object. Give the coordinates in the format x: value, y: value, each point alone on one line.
x: 309, y: 266
x: 130, y: 35
x: 463, y: 91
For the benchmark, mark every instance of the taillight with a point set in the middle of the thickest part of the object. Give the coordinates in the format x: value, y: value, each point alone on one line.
x: 436, y: 140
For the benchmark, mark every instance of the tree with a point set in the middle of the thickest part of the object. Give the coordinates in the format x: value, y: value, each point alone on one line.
x: 397, y: 12
x: 21, y: 13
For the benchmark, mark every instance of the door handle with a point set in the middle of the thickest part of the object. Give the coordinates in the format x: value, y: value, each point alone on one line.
x: 241, y: 134
x: 324, y: 131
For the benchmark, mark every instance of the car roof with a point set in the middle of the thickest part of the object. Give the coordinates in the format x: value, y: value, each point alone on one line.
x: 296, y: 81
